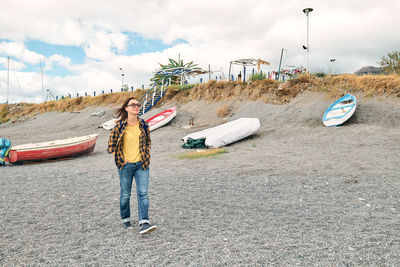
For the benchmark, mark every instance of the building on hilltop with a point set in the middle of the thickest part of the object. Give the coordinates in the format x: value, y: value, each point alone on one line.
x: 369, y: 70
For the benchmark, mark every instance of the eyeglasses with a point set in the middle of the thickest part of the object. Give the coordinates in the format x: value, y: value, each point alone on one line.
x: 137, y: 105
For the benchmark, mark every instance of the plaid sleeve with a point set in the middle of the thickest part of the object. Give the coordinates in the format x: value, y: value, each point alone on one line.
x: 112, y: 140
x: 145, y: 144
x: 148, y: 139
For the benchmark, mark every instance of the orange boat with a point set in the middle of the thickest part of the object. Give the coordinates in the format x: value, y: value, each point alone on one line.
x: 53, y: 149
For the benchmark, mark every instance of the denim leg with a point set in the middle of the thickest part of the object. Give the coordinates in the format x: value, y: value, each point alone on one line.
x: 125, y: 181
x: 142, y: 186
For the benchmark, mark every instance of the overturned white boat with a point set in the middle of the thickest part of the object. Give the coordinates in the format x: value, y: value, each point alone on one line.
x: 109, y: 125
x: 226, y: 133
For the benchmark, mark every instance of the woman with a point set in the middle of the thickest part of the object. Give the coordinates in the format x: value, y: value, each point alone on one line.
x: 130, y: 143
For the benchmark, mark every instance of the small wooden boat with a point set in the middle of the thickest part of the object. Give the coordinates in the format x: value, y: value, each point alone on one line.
x: 161, y: 118
x: 53, y: 149
x: 340, y: 111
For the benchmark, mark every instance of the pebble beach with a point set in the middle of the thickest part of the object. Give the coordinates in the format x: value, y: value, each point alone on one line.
x: 296, y: 193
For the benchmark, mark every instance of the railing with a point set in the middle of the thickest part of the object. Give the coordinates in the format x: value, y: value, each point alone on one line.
x: 152, y: 96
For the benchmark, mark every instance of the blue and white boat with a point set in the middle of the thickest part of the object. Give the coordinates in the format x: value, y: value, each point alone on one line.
x: 340, y: 111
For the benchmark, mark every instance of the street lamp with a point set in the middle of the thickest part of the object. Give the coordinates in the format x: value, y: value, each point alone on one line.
x: 122, y: 78
x: 332, y: 60
x: 306, y: 11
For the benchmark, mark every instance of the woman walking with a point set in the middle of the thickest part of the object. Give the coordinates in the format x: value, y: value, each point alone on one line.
x: 130, y: 143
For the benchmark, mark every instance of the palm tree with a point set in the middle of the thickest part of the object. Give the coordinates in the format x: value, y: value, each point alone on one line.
x: 175, y: 71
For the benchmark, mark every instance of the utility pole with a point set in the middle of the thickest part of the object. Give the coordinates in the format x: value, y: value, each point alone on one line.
x: 41, y: 73
x: 332, y: 60
x: 122, y: 78
x: 8, y: 79
x: 229, y: 73
x: 307, y: 11
x: 280, y: 62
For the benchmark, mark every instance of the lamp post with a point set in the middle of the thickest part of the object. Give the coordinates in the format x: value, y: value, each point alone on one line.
x: 332, y: 60
x: 306, y: 11
x: 122, y: 78
x: 280, y: 62
x: 8, y: 80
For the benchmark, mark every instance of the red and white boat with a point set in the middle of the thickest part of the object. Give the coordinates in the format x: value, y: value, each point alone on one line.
x: 161, y: 118
x: 53, y: 149
x: 155, y: 122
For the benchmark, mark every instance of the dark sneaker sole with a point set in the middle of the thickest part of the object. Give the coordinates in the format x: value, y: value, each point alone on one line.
x: 148, y: 230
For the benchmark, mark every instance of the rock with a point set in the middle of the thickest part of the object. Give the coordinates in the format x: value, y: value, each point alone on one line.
x: 98, y: 114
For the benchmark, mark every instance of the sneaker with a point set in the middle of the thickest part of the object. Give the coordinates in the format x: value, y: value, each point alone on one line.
x: 147, y: 228
x: 127, y: 225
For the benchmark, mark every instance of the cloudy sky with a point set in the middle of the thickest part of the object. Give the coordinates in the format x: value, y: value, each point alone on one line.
x: 83, y: 45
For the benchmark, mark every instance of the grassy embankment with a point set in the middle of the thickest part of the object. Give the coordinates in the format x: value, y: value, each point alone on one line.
x: 269, y: 91
x: 21, y: 110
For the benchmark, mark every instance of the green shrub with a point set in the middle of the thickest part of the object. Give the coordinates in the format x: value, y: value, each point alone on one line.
x: 185, y: 87
x: 181, y: 87
x: 319, y: 74
x: 258, y: 77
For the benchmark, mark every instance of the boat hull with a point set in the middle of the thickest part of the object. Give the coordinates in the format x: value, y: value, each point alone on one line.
x: 161, y: 118
x: 340, y: 111
x: 154, y: 122
x: 226, y: 133
x: 85, y: 146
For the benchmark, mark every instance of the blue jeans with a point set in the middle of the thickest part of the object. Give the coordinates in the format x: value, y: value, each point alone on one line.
x: 126, y: 175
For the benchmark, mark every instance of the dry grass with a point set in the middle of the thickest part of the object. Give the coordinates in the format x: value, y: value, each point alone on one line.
x: 171, y: 92
x: 3, y: 111
x: 223, y: 111
x: 202, y: 153
x: 268, y: 91
x: 335, y: 86
x: 271, y: 91
x: 369, y: 85
x: 217, y: 91
x: 21, y: 110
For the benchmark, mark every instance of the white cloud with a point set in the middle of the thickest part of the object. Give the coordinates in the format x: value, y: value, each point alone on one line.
x: 19, y: 51
x: 103, y: 45
x: 12, y: 65
x: 356, y: 33
x: 60, y: 60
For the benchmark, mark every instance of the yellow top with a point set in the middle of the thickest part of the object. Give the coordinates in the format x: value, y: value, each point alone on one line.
x: 131, y: 143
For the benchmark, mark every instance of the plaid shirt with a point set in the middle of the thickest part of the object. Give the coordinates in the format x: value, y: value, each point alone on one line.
x: 116, y: 139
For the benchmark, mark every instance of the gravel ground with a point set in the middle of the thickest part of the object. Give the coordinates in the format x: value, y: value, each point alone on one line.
x: 296, y: 193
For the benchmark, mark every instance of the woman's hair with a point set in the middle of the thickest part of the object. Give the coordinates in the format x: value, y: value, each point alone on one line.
x: 122, y: 114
